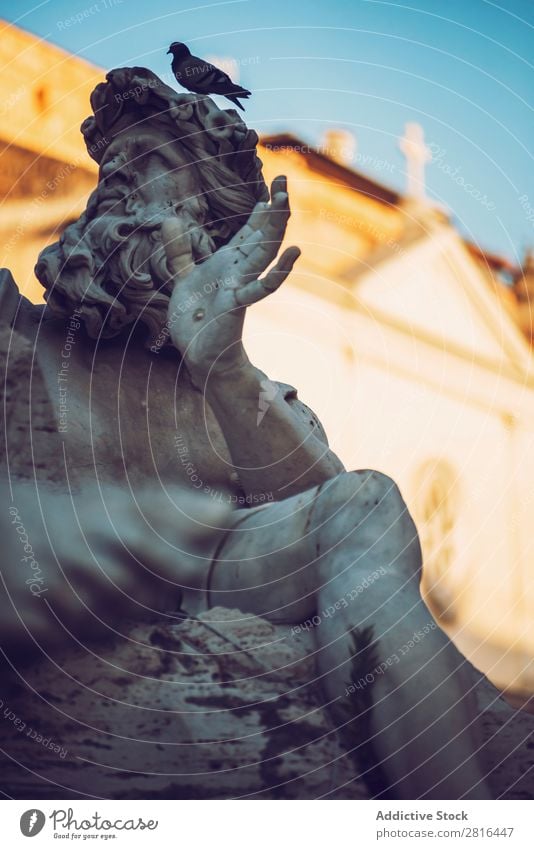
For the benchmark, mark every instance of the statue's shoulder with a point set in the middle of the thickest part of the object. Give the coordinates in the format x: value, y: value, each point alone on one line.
x: 302, y: 410
x: 14, y: 307
x: 9, y: 297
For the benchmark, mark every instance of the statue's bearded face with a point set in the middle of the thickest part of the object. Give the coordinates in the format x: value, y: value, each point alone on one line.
x: 161, y: 154
x: 120, y: 259
x: 153, y: 178
x: 160, y: 179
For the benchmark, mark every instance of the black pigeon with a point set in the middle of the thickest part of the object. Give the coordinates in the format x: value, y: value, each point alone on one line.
x: 202, y: 77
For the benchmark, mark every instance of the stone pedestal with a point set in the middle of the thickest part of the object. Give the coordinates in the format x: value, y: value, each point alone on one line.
x: 222, y: 707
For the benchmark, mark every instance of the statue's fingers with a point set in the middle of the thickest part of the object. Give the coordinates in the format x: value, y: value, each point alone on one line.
x: 260, y: 256
x: 279, y: 184
x: 256, y: 290
x: 280, y: 201
x: 256, y: 220
x: 276, y: 276
x: 261, y: 252
x: 271, y: 218
x: 242, y: 260
x: 177, y: 244
x: 277, y: 217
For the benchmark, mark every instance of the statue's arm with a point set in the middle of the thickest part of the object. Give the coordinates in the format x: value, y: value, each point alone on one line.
x: 274, y: 448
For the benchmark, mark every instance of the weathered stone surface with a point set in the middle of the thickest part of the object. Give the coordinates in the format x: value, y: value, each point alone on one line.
x: 27, y: 419
x: 508, y: 747
x: 220, y: 707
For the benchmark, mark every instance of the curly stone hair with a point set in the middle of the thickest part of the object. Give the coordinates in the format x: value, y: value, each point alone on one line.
x: 111, y: 262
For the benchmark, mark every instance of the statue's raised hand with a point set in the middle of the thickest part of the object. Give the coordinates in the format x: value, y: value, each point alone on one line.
x: 209, y: 300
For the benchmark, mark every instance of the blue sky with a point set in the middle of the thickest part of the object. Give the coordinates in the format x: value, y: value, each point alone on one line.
x: 460, y: 68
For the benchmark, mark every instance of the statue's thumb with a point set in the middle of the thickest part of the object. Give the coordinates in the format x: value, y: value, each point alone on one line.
x: 177, y: 244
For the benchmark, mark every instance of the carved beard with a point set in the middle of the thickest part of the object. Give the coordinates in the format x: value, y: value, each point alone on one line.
x: 114, y: 267
x: 136, y: 271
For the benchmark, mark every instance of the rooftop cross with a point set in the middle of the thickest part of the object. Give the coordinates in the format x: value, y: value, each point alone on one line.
x: 417, y: 154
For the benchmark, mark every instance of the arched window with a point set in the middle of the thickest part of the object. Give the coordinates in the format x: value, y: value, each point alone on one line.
x: 436, y: 512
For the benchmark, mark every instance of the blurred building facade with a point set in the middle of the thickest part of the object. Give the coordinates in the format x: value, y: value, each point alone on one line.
x: 45, y: 172
x: 413, y: 347
x: 408, y: 344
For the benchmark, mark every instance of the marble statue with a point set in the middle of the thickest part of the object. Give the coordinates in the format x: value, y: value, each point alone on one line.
x: 183, y: 478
